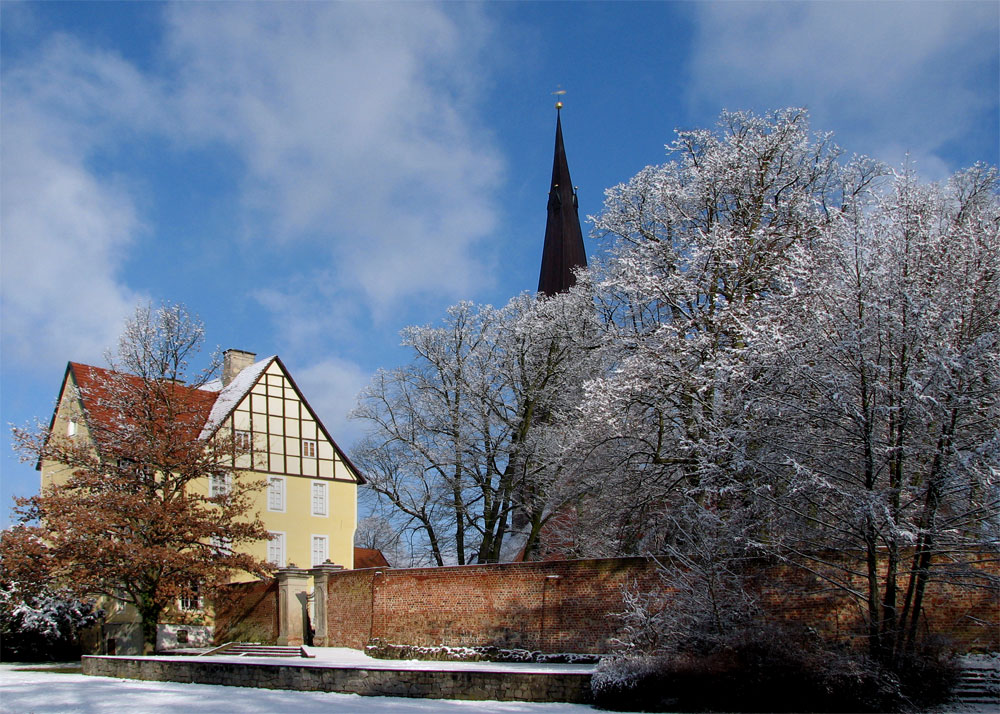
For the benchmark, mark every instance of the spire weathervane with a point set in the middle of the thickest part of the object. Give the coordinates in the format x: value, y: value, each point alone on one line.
x: 559, y: 95
x: 563, y: 250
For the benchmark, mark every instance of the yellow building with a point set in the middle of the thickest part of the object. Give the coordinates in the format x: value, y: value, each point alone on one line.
x: 309, y: 503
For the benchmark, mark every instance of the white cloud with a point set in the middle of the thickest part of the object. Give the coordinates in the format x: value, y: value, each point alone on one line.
x: 888, y: 77
x: 351, y: 120
x: 353, y: 125
x: 65, y: 232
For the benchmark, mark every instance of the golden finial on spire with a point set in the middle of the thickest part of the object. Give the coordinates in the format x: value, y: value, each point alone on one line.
x: 559, y: 93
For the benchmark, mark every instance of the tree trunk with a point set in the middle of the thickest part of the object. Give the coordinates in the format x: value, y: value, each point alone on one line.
x: 149, y: 612
x: 925, y: 545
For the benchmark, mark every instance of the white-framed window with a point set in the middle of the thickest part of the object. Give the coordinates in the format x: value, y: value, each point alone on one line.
x: 309, y: 448
x: 276, y: 549
x: 71, y: 427
x: 243, y: 439
x: 193, y: 601
x: 320, y: 549
x: 218, y: 484
x: 275, y: 493
x: 319, y: 500
x: 221, y: 545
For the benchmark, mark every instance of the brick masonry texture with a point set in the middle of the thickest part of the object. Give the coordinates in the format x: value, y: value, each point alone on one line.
x: 555, y: 606
x: 247, y: 612
x: 570, y: 605
x: 503, y: 686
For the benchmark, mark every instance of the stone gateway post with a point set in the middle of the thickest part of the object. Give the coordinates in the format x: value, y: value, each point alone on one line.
x: 293, y: 594
x: 321, y: 586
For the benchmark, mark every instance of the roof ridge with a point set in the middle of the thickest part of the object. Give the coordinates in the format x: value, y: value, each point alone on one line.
x: 230, y: 396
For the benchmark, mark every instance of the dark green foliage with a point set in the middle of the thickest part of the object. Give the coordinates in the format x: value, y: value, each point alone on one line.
x: 42, y: 628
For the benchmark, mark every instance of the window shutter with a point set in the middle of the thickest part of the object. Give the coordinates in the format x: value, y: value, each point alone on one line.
x: 318, y: 499
x: 319, y: 550
x: 276, y: 549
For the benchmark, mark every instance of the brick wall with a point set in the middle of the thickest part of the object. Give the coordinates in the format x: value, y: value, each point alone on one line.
x: 349, y: 607
x: 565, y: 606
x: 569, y: 606
x: 968, y: 616
x: 247, y: 612
x: 561, y: 606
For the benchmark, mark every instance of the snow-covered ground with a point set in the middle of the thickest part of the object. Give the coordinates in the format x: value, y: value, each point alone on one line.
x: 31, y: 689
x: 38, y: 691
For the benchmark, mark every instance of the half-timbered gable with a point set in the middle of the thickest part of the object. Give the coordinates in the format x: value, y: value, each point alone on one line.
x: 309, y: 499
x: 287, y: 437
x: 309, y: 502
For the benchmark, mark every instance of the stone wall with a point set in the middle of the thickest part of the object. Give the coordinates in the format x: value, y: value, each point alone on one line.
x: 476, y: 685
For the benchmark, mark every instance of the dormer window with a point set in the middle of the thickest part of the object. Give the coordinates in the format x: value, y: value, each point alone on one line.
x: 309, y: 448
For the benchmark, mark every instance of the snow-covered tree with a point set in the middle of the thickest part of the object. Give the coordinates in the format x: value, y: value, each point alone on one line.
x: 40, y: 621
x: 698, y: 244
x: 800, y: 356
x: 878, y: 394
x: 460, y: 437
x: 126, y: 523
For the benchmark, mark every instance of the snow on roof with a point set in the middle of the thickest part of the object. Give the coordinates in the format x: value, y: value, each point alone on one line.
x: 214, y: 385
x: 232, y: 394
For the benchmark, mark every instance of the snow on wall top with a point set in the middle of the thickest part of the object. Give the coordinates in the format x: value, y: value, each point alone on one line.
x: 232, y: 394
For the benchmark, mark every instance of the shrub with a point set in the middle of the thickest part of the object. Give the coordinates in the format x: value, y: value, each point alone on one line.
x: 381, y: 649
x: 928, y: 674
x: 770, y: 669
x: 43, y: 627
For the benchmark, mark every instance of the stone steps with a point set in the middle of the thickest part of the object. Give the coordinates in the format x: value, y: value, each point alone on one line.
x: 251, y: 649
x: 978, y: 683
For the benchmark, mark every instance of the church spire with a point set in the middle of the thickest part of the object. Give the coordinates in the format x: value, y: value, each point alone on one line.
x: 563, y: 250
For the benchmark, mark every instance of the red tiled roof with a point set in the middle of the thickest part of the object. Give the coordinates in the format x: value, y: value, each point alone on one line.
x: 100, y: 393
x: 197, y: 412
x: 369, y: 558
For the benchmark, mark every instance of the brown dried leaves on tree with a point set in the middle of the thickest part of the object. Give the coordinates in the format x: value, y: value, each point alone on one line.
x: 133, y: 520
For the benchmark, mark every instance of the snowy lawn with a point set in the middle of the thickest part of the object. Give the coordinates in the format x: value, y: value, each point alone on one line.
x: 45, y: 692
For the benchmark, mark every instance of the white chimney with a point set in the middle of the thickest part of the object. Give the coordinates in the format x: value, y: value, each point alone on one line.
x: 234, y: 362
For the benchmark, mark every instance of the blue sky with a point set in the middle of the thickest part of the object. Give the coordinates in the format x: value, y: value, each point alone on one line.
x: 311, y: 177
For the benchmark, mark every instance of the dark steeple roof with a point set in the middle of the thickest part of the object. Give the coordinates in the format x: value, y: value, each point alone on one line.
x: 563, y: 250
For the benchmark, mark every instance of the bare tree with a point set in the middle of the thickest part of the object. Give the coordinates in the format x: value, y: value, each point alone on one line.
x: 461, y: 437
